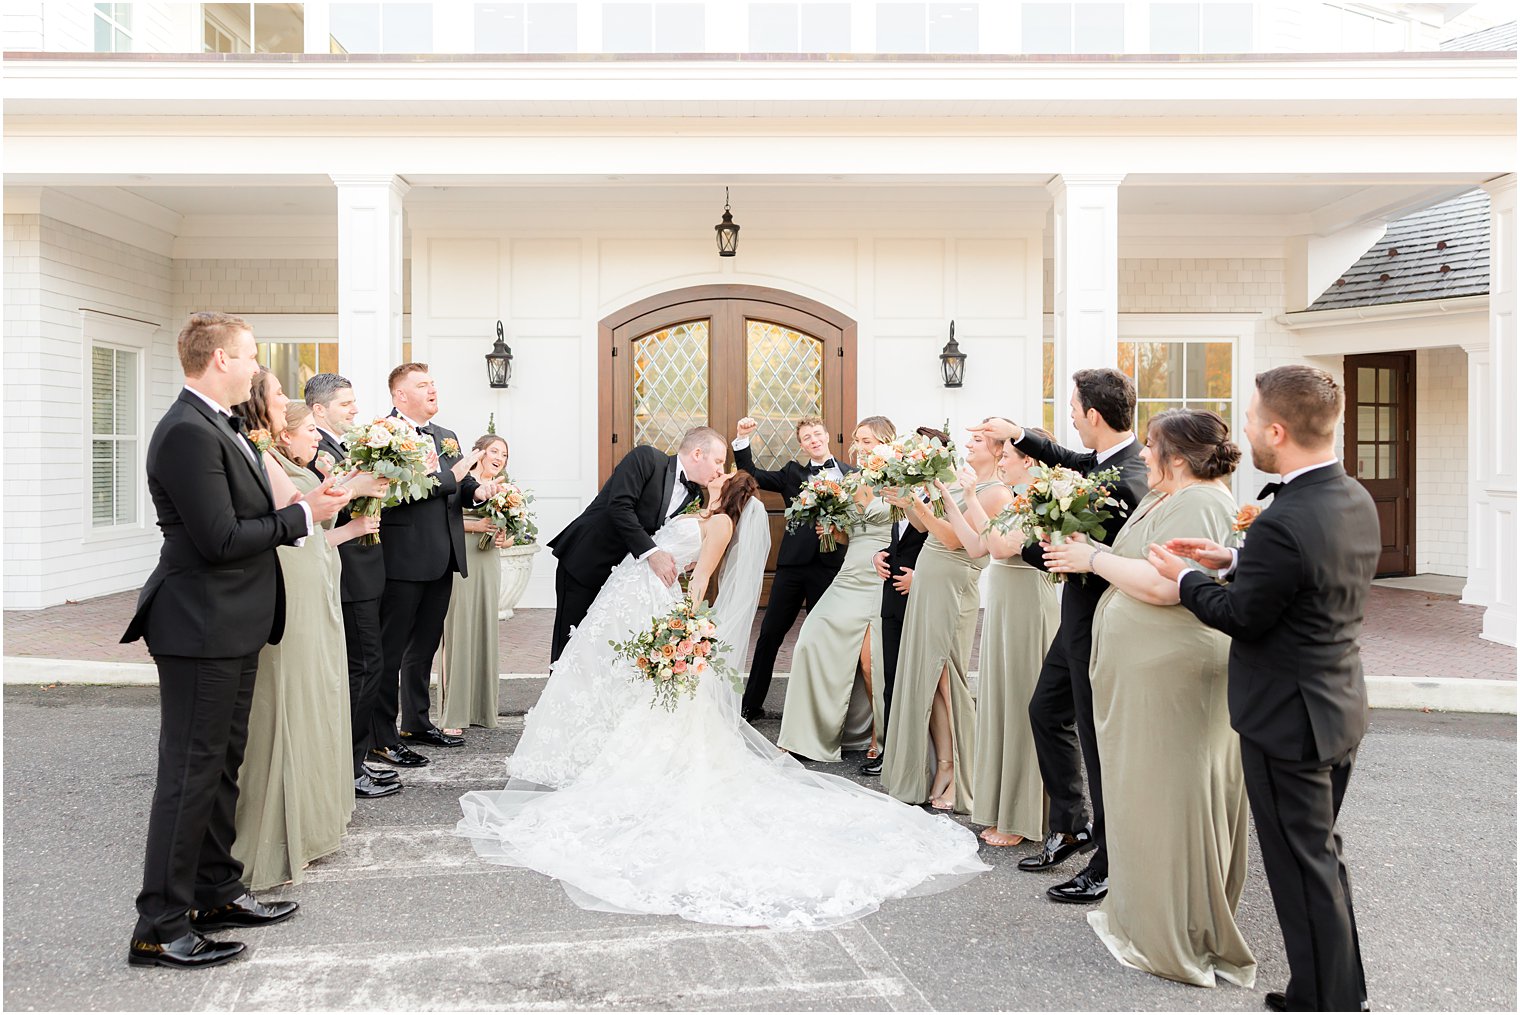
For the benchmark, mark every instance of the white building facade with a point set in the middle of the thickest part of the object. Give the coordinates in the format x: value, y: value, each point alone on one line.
x: 1173, y: 215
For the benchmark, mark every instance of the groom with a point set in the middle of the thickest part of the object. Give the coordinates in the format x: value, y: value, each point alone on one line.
x: 646, y: 488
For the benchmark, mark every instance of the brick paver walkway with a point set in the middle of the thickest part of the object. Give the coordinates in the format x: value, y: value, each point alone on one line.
x: 1408, y: 634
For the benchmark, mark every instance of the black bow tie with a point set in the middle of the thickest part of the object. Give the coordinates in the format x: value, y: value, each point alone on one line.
x: 814, y: 470
x: 1269, y: 490
x: 238, y: 423
x: 426, y: 428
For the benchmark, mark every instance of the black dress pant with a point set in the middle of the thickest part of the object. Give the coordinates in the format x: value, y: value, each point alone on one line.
x: 794, y: 586
x: 1065, y: 740
x: 203, y: 729
x: 572, y: 601
x: 891, y: 642
x: 1295, y: 805
x: 411, y: 617
x: 366, y: 664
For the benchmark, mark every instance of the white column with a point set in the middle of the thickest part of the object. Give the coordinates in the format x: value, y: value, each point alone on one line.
x: 1085, y: 304
x: 1491, y: 422
x: 369, y: 284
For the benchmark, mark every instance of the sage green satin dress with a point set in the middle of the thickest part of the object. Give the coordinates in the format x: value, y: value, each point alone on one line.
x: 1173, y: 790
x: 938, y: 629
x: 1021, y: 618
x: 825, y: 678
x: 471, y: 670
x: 296, y: 783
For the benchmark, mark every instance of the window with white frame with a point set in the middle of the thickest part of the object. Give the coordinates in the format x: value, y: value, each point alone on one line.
x: 799, y: 28
x: 1072, y: 28
x: 525, y: 28
x: 927, y: 28
x: 380, y: 28
x: 113, y: 28
x: 115, y: 475
x: 1355, y: 28
x: 1167, y: 375
x: 1202, y: 28
x: 654, y: 28
x: 253, y: 28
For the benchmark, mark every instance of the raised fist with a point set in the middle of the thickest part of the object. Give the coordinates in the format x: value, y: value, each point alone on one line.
x: 746, y: 427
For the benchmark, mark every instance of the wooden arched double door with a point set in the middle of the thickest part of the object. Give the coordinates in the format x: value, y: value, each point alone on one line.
x: 709, y: 355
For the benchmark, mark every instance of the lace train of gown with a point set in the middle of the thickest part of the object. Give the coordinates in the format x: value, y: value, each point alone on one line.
x: 690, y: 812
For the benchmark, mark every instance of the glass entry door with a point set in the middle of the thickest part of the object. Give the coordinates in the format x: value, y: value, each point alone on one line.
x: 711, y: 355
x: 1380, y: 448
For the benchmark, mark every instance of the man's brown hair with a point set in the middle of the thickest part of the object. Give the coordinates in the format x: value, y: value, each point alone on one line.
x: 1305, y: 400
x: 202, y: 336
x: 399, y: 374
x: 808, y: 421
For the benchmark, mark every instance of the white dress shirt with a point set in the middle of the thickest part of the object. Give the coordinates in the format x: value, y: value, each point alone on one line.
x: 1104, y: 456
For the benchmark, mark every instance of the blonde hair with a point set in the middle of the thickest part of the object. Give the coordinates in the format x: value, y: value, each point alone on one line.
x: 881, y: 428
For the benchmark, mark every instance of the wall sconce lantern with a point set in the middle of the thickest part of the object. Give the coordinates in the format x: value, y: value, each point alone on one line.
x: 499, y: 360
x: 952, y: 362
x: 727, y: 230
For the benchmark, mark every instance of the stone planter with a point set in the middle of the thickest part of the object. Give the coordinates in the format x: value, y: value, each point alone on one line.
x: 516, y: 569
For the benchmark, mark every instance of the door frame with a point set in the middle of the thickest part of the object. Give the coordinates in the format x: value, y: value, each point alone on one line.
x: 607, y: 346
x: 1408, y: 359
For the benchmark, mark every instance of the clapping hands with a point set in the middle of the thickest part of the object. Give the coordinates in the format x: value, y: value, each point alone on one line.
x: 325, y: 501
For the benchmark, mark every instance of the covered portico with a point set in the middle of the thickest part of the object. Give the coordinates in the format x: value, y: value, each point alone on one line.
x: 1109, y: 208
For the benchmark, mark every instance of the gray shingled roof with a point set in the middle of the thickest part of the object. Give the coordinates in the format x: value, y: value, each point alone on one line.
x: 1487, y: 40
x: 1409, y: 263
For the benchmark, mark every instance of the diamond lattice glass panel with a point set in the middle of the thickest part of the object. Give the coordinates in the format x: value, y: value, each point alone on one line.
x: 785, y: 382
x: 670, y: 384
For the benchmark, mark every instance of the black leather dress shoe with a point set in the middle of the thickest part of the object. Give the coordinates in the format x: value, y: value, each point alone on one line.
x: 243, y: 911
x: 1082, y: 888
x: 400, y: 755
x: 434, y: 736
x: 758, y: 715
x: 366, y: 788
x: 1057, y: 847
x: 871, y: 766
x: 192, y: 951
x: 1276, y: 1000
x: 380, y: 775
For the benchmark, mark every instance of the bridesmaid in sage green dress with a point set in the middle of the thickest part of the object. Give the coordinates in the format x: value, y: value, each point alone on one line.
x: 296, y: 783
x: 471, y: 667
x: 1020, y: 618
x: 933, y: 739
x: 831, y: 662
x: 1172, y: 782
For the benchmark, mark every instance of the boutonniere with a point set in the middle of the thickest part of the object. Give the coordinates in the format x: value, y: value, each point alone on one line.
x: 1244, y: 517
x: 450, y: 447
x: 261, y: 439
x: 694, y: 508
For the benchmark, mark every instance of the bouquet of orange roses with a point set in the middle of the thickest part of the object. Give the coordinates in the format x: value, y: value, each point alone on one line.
x: 827, y: 502
x: 389, y: 447
x: 1059, y: 502
x: 911, y: 460
x: 678, y: 650
x: 508, y: 512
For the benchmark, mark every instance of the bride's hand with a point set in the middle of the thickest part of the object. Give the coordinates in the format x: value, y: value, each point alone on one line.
x: 664, y: 566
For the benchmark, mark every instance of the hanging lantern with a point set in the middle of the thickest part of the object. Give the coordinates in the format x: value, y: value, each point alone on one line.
x: 499, y: 360
x: 952, y: 362
x: 727, y: 230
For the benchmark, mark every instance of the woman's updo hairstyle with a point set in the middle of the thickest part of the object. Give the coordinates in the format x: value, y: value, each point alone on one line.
x: 1200, y: 437
x: 737, y: 491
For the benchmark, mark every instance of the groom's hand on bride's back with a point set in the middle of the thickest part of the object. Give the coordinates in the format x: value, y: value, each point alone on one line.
x: 663, y: 565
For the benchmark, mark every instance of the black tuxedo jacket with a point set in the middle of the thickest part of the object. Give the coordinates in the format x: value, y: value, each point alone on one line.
x: 799, y: 547
x: 627, y: 511
x: 423, y: 540
x: 1080, y: 599
x: 901, y: 552
x: 363, y: 566
x: 1293, y: 610
x: 216, y: 592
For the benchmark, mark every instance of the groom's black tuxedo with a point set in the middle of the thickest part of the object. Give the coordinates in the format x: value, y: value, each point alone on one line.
x: 361, y: 586
x: 1293, y: 610
x: 423, y: 544
x: 214, y: 600
x: 621, y: 520
x: 1063, y: 693
x: 803, y: 574
x: 903, y: 547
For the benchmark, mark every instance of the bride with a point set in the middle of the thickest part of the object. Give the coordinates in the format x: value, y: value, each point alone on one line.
x: 691, y: 812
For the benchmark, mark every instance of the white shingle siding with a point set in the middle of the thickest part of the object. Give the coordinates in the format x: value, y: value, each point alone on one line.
x: 1441, y: 498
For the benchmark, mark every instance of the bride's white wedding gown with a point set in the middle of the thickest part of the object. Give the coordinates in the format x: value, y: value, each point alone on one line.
x: 691, y: 812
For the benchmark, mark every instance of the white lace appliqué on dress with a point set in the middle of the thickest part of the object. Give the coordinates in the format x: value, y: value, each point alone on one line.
x: 690, y: 812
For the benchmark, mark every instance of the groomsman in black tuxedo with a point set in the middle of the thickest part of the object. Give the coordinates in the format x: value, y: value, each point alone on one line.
x: 1293, y: 606
x: 895, y: 565
x: 333, y: 407
x: 803, y: 571
x: 645, y: 489
x: 423, y: 544
x: 1060, y: 711
x: 214, y: 600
